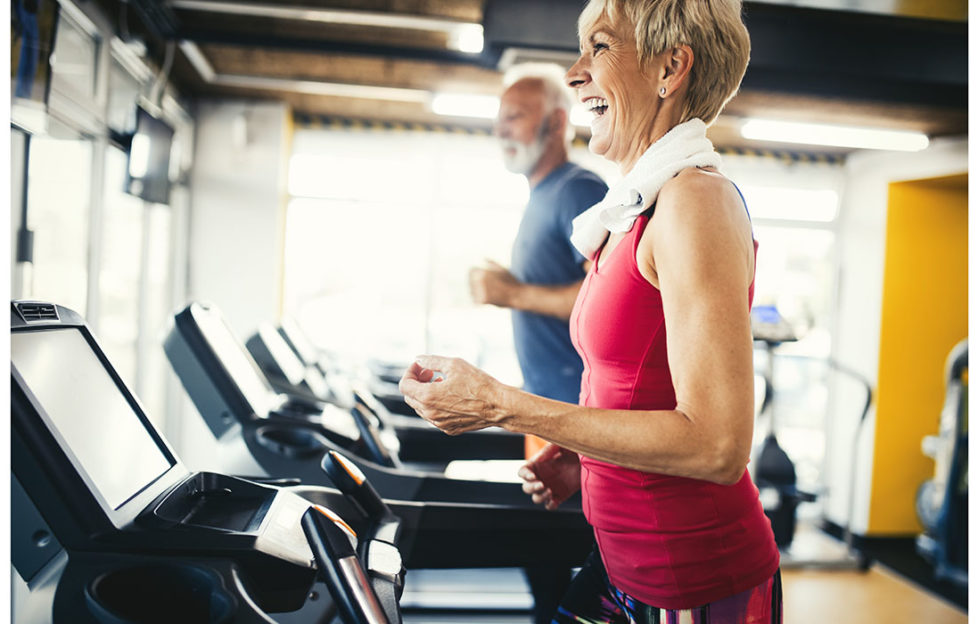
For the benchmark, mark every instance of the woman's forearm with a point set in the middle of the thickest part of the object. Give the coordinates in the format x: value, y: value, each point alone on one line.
x: 661, y: 441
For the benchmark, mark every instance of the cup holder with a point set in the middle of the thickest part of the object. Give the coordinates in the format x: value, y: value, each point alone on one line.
x: 158, y: 594
x: 291, y: 442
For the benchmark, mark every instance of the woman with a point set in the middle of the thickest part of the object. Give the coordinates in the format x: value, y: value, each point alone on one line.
x: 661, y: 438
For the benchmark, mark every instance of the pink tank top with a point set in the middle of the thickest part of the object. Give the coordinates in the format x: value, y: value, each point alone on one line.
x: 671, y: 542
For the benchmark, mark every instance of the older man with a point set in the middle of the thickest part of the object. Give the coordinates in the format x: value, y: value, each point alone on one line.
x: 546, y: 272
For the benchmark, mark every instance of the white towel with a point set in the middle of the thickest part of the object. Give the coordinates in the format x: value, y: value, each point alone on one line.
x: 684, y: 146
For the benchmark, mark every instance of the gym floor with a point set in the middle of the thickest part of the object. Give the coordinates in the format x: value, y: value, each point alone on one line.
x: 811, y: 596
x: 816, y: 595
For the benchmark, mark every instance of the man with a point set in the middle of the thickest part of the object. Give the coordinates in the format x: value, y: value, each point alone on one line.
x: 541, y: 286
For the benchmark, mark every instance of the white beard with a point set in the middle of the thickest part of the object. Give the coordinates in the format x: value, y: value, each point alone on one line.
x: 526, y: 157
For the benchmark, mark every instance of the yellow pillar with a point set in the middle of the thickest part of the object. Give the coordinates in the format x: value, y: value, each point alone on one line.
x: 924, y: 314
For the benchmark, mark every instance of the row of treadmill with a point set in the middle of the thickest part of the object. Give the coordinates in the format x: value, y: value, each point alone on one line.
x: 328, y: 491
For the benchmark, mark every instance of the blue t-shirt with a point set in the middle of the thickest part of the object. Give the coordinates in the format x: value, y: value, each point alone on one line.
x: 543, y: 254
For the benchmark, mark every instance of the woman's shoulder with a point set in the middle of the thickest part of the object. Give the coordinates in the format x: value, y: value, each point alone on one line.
x: 698, y: 208
x: 702, y: 186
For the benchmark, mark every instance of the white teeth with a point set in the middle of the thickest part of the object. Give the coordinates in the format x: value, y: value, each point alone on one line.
x: 594, y: 103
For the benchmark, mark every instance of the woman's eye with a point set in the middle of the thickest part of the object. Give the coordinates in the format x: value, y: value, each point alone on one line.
x: 598, y: 47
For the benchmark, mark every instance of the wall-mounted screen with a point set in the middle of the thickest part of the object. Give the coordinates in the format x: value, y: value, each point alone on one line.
x: 93, y: 421
x: 148, y: 176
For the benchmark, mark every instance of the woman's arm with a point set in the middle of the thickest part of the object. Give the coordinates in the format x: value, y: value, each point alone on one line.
x: 700, y: 254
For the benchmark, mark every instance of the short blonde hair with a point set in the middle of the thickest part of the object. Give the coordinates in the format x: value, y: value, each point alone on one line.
x: 712, y: 28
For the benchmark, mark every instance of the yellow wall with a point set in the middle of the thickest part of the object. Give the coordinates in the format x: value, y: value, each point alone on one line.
x: 925, y: 313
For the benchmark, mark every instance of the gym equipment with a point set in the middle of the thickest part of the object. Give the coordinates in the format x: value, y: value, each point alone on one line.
x: 238, y: 403
x: 287, y: 373
x: 774, y: 472
x: 942, y: 502
x: 109, y: 526
x: 381, y: 378
x: 286, y: 439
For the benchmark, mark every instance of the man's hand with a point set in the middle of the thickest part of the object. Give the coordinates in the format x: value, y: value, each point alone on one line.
x: 494, y: 284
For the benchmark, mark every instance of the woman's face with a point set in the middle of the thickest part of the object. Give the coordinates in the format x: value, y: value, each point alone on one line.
x: 611, y: 84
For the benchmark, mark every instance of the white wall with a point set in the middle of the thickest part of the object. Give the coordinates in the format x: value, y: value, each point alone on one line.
x: 856, y: 344
x: 236, y: 219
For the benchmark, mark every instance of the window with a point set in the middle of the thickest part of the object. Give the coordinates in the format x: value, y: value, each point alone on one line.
x: 381, y: 232
x: 794, y: 210
x: 119, y: 273
x: 58, y: 188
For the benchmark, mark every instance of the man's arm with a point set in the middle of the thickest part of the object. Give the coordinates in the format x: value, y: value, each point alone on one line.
x: 496, y: 285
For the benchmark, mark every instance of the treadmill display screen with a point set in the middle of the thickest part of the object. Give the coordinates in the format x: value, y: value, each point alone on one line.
x: 237, y: 362
x: 97, y: 427
x: 284, y: 356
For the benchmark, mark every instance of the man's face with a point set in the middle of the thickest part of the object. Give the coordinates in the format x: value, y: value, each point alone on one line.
x: 521, y: 126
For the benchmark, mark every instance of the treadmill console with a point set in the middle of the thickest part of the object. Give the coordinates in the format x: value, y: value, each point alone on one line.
x: 106, y: 481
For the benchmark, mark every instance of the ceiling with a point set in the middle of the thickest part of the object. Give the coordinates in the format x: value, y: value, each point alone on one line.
x: 896, y: 64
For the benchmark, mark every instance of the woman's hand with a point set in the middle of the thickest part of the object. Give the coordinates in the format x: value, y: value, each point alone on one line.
x: 551, y: 476
x: 451, y: 394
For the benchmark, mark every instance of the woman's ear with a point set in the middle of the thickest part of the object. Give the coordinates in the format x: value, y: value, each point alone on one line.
x: 677, y: 64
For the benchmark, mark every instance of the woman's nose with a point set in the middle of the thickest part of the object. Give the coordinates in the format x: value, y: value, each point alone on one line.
x: 577, y: 76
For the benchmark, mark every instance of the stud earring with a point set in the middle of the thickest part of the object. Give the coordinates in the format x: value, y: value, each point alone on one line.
x: 662, y: 91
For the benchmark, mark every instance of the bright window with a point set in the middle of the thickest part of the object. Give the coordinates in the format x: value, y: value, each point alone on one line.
x: 381, y: 232
x: 58, y: 190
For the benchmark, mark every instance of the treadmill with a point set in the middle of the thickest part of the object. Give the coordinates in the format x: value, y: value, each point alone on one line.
x: 381, y: 379
x: 109, y: 526
x: 307, y: 387
x: 237, y: 402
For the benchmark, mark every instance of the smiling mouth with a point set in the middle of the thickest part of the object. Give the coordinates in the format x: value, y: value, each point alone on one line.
x: 598, y: 106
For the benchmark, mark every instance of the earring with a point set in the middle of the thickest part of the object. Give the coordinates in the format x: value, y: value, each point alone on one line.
x: 662, y: 91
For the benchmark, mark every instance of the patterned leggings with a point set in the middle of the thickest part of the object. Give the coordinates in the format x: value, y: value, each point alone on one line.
x: 592, y: 599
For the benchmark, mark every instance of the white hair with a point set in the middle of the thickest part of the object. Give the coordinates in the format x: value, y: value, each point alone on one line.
x: 556, y: 91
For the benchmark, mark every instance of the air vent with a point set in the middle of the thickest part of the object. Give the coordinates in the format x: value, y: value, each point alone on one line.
x: 34, y: 312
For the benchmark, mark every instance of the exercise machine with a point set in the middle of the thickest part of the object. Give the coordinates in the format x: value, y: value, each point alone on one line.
x: 404, y: 458
x: 774, y: 472
x: 380, y: 378
x: 942, y: 502
x: 109, y: 526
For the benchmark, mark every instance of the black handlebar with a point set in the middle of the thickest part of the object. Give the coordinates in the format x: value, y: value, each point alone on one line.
x: 340, y: 568
x: 351, y: 481
x: 371, y: 438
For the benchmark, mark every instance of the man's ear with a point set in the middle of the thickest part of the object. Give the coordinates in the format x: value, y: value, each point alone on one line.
x: 558, y: 122
x: 678, y: 62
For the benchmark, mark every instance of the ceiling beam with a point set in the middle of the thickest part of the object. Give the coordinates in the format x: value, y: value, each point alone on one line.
x: 279, y: 42
x: 350, y: 17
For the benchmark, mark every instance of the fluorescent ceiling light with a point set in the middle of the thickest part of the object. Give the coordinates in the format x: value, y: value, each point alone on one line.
x: 839, y: 136
x: 464, y: 36
x: 465, y: 105
x: 467, y: 38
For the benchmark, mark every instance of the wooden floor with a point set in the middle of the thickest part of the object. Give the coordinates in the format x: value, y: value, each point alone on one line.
x: 850, y: 597
x: 811, y: 596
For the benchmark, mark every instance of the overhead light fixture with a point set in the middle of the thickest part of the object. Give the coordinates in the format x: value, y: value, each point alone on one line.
x: 467, y: 38
x: 465, y: 105
x: 832, y: 135
x: 463, y: 36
